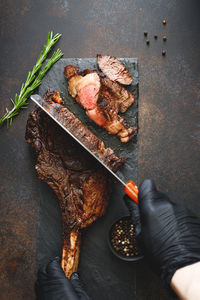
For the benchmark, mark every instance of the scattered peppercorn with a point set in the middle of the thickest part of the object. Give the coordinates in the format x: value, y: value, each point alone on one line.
x: 123, y: 238
x: 164, y: 38
x: 164, y: 22
x: 163, y: 52
x: 145, y: 33
x: 147, y: 42
x: 155, y: 36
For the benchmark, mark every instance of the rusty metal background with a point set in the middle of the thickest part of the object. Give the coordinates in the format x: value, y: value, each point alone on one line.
x: 168, y: 110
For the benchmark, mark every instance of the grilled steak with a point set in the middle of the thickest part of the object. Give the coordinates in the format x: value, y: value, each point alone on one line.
x: 82, y: 133
x: 81, y: 185
x: 117, y: 95
x: 102, y: 99
x: 114, y: 69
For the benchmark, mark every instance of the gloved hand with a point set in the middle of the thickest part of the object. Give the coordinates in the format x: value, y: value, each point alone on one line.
x: 52, y: 284
x: 169, y: 233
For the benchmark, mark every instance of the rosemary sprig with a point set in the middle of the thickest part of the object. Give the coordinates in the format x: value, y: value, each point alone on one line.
x: 31, y: 82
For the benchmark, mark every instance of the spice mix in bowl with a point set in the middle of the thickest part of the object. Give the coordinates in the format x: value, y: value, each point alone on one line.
x: 122, y: 240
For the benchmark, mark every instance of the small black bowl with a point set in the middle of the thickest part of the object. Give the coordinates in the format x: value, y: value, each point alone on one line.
x: 137, y: 256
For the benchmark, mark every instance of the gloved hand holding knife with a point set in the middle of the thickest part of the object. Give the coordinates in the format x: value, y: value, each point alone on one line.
x: 170, y: 238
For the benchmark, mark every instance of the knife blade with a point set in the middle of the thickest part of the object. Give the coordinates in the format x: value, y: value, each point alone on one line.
x: 130, y: 188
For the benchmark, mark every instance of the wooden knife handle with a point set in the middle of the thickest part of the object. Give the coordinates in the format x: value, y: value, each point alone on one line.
x: 133, y: 192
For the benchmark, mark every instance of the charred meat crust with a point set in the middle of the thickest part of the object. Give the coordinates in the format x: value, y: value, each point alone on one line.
x: 70, y: 71
x: 117, y: 95
x: 81, y: 185
x: 68, y: 169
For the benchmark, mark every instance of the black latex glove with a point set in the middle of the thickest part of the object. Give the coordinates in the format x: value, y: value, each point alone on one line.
x: 52, y: 284
x: 169, y: 233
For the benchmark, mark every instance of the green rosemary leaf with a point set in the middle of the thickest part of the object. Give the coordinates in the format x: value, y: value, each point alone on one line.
x: 32, y: 82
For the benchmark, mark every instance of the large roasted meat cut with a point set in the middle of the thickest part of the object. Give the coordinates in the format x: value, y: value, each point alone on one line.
x: 81, y: 185
x: 103, y: 97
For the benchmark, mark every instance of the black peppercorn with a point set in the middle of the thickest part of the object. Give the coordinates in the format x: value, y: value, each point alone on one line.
x: 145, y: 33
x: 147, y: 42
x: 163, y: 52
x: 123, y: 239
x: 155, y: 36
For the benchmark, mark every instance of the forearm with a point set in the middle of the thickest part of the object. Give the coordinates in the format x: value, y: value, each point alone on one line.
x: 186, y: 282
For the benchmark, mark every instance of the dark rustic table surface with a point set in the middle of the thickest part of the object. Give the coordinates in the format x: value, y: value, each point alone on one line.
x: 169, y: 134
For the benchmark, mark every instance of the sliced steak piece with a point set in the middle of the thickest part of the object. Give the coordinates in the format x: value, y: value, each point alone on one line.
x: 102, y: 99
x: 81, y: 185
x: 88, y: 88
x: 72, y: 85
x: 114, y: 69
x: 117, y: 95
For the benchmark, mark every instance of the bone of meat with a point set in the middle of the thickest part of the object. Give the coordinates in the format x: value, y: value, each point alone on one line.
x: 80, y: 184
x: 102, y: 99
x: 114, y: 69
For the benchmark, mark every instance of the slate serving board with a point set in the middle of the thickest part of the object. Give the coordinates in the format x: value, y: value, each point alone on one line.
x: 104, y: 276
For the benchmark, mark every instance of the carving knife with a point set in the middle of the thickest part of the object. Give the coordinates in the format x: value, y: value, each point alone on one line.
x: 130, y: 188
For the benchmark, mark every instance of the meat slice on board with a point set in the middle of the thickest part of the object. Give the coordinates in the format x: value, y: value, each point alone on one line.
x: 102, y: 99
x: 81, y: 185
x: 114, y: 69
